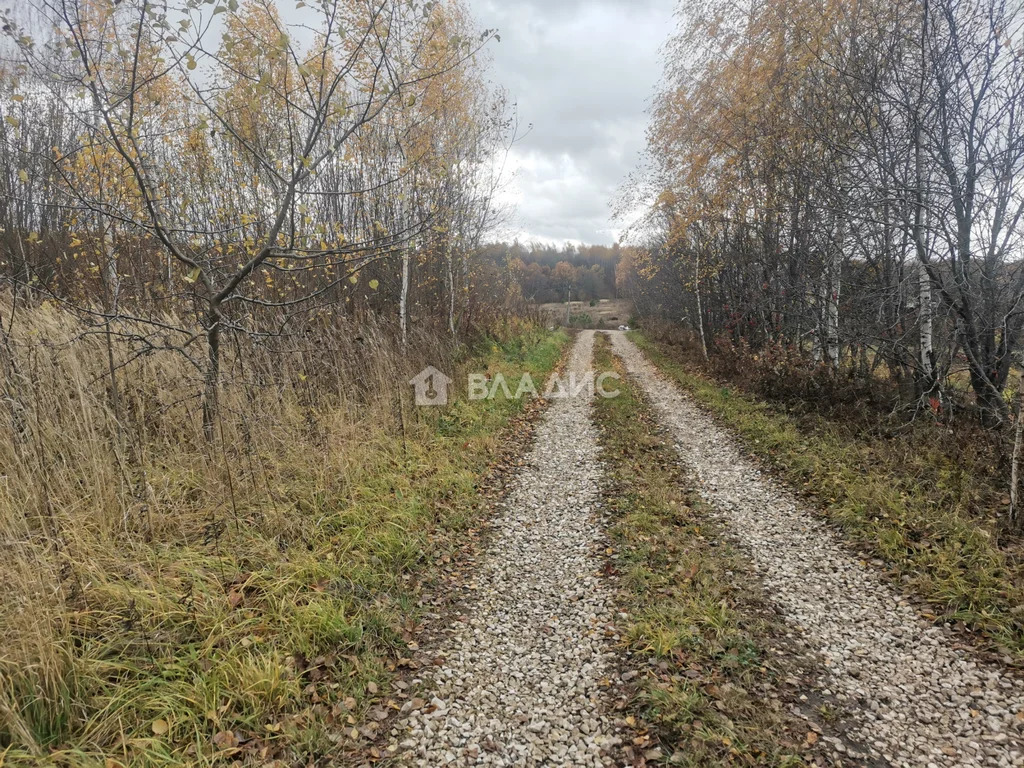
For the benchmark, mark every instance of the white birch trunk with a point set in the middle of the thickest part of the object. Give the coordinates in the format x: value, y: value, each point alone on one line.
x: 832, y: 313
x: 465, y: 287
x: 925, y: 322
x: 403, y: 300
x: 923, y: 278
x: 451, y: 294
x: 1018, y: 439
x: 700, y: 309
x: 820, y: 310
x: 928, y: 372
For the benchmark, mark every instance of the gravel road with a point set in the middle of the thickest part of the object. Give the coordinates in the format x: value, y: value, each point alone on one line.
x: 914, y: 698
x: 520, y: 680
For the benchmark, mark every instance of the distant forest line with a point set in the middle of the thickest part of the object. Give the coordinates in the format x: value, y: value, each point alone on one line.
x: 547, y: 273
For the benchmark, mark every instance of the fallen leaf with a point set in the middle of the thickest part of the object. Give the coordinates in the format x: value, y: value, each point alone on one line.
x: 225, y: 740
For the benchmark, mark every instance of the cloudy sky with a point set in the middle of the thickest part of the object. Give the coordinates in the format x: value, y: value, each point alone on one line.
x: 582, y: 72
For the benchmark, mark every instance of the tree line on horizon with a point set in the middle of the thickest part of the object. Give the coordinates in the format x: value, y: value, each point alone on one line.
x: 545, y: 273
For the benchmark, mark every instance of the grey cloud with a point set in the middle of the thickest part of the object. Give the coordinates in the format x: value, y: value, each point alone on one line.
x: 582, y: 72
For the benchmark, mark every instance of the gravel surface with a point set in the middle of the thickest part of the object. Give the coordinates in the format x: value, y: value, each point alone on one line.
x: 915, y: 698
x: 520, y: 680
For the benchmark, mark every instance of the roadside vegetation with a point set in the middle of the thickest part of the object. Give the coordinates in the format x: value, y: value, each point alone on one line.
x: 829, y: 262
x: 231, y: 234
x: 715, y: 686
x: 923, y: 497
x: 169, y: 601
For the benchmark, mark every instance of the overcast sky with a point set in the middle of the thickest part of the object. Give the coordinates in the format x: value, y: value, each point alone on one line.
x: 582, y: 72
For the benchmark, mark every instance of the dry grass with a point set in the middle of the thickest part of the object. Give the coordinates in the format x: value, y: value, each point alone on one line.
x: 601, y: 313
x: 173, y: 602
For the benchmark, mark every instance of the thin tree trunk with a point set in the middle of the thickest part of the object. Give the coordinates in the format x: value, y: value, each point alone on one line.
x: 927, y: 351
x: 817, y: 348
x: 832, y: 312
x: 403, y: 302
x: 1018, y: 438
x: 212, y: 388
x: 465, y: 289
x: 925, y: 327
x: 700, y: 309
x: 451, y: 293
x: 113, y: 281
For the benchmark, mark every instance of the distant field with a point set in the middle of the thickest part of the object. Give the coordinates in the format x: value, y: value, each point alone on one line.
x: 604, y: 313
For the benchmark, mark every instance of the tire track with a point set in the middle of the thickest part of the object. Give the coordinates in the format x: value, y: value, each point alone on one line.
x: 520, y: 680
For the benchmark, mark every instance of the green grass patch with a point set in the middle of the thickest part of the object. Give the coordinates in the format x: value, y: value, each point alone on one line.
x: 901, y: 497
x: 692, y: 610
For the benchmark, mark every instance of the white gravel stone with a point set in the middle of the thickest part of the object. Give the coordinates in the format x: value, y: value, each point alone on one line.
x: 519, y: 685
x: 914, y: 696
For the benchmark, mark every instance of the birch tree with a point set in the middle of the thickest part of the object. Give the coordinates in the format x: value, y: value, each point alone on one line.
x: 262, y: 118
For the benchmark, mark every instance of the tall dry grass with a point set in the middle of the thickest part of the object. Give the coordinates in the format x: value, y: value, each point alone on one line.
x: 131, y: 547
